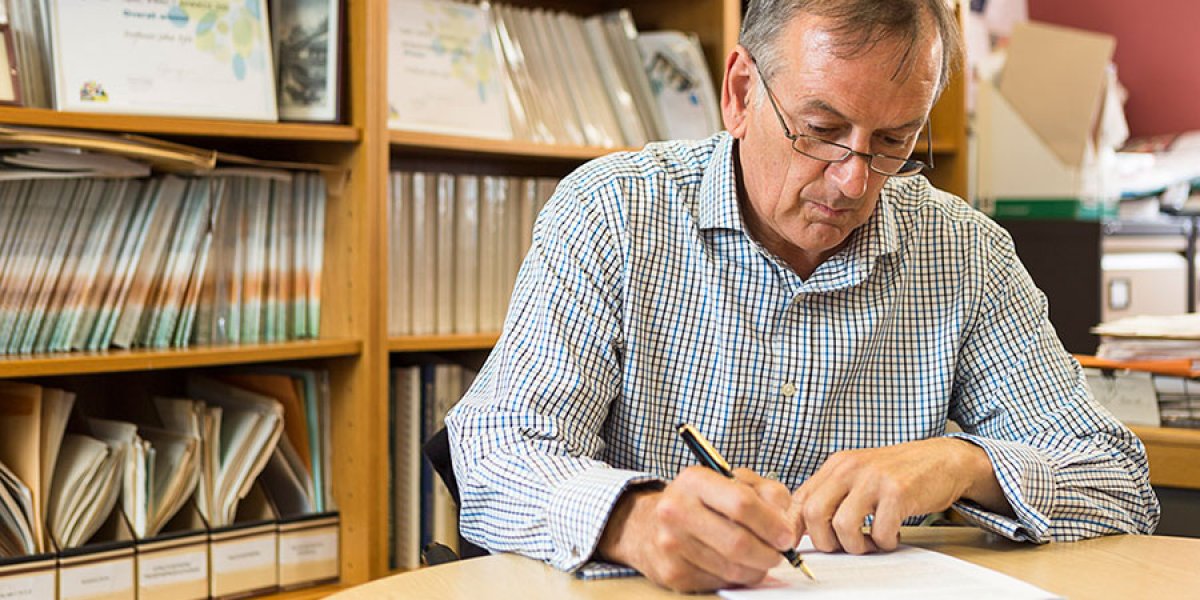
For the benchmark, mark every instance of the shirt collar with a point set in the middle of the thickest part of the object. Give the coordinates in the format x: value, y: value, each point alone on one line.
x: 879, y: 235
x: 718, y: 190
x: 719, y: 207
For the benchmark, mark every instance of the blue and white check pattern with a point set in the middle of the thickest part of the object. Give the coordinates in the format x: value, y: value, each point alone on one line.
x: 644, y: 303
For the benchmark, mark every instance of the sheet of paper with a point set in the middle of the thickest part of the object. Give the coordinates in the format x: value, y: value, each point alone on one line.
x: 906, y: 573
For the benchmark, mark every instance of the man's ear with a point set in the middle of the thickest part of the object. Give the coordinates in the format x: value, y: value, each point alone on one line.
x: 736, y: 89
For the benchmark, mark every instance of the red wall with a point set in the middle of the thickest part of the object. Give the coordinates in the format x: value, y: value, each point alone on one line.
x: 1157, y: 56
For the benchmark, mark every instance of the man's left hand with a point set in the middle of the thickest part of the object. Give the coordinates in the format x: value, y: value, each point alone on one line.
x: 891, y: 483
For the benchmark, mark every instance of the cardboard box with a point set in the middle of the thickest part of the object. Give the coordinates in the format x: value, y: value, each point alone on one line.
x: 309, y: 550
x: 173, y: 565
x: 244, y: 556
x: 1048, y: 128
x: 1143, y: 283
x: 103, y: 569
x: 29, y: 577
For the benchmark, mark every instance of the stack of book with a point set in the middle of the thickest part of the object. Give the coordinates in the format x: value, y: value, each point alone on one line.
x: 422, y: 510
x: 90, y: 260
x: 455, y: 245
x: 537, y: 75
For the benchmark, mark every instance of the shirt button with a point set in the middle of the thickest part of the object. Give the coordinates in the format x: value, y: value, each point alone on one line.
x: 788, y: 389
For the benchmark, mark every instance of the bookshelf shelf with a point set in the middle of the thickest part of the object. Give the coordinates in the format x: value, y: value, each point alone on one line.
x: 114, y: 361
x: 436, y: 343
x: 940, y: 146
x: 1174, y: 455
x: 424, y: 143
x: 309, y: 593
x: 308, y: 132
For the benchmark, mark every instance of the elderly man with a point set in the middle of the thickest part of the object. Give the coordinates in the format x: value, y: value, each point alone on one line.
x: 794, y: 289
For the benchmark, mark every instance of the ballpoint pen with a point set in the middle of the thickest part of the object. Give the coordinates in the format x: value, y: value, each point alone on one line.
x: 709, y: 457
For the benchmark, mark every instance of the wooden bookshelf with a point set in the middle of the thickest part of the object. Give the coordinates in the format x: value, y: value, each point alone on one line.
x: 352, y: 348
x: 180, y: 126
x: 140, y: 359
x: 1174, y: 454
x: 442, y: 343
x: 454, y: 145
x: 312, y: 593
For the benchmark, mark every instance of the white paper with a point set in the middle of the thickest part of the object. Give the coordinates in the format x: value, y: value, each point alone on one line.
x: 172, y: 568
x: 103, y: 579
x: 202, y: 59
x: 906, y: 573
x: 243, y: 555
x: 314, y: 547
x: 1128, y: 395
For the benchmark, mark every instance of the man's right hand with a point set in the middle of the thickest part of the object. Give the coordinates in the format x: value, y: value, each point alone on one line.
x: 703, y: 531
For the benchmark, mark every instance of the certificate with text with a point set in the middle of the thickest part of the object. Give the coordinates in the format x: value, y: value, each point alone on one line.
x: 192, y: 58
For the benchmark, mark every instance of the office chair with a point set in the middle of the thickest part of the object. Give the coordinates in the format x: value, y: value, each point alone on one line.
x: 437, y: 451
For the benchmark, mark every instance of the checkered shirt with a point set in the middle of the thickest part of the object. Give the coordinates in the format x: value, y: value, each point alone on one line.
x: 644, y: 303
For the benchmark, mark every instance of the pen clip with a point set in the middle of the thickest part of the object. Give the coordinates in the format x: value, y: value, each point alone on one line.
x: 703, y: 449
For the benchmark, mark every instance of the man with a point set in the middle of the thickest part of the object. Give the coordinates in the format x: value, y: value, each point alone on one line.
x: 791, y: 289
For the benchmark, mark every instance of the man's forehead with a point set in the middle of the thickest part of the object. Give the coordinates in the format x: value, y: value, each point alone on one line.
x: 821, y: 75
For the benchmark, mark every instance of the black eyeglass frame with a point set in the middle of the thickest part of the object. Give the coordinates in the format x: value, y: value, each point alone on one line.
x: 849, y: 152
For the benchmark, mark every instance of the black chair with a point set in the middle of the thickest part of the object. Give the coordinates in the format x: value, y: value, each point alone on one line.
x: 437, y: 451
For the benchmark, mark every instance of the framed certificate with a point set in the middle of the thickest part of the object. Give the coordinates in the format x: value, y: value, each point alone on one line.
x: 171, y: 57
x: 308, y: 42
x: 10, y: 84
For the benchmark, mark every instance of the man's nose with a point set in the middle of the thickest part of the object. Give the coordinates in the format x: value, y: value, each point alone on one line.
x: 851, y: 175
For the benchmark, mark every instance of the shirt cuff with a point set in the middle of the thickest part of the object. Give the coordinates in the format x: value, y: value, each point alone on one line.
x: 579, y: 511
x: 1028, y: 483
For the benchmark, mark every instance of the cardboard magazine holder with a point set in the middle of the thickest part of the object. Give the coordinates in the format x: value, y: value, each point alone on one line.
x: 1047, y: 128
x: 29, y: 576
x: 173, y: 565
x: 309, y: 550
x: 102, y: 569
x: 243, y: 556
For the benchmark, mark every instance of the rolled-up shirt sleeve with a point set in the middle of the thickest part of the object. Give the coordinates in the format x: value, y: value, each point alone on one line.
x: 1067, y: 467
x: 525, y: 438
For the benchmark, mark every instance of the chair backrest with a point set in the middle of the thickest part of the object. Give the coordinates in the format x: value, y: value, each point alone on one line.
x: 437, y: 450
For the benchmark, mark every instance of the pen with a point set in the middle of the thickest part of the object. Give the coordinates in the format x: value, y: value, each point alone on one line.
x: 709, y: 457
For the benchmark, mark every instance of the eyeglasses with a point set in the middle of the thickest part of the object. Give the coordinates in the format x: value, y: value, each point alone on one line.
x: 832, y: 152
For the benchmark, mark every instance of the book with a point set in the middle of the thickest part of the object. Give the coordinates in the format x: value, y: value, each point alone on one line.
x: 400, y: 253
x: 424, y: 249
x: 466, y: 255
x: 679, y: 81
x: 406, y: 463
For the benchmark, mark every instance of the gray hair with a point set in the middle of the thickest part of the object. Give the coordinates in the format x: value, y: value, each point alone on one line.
x: 861, y: 23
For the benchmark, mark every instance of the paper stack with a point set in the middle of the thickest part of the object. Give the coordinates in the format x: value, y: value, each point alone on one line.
x: 297, y: 475
x: 160, y: 472
x: 50, y: 482
x: 249, y: 427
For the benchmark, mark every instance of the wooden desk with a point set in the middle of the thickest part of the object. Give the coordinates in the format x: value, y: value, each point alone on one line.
x: 1111, y: 567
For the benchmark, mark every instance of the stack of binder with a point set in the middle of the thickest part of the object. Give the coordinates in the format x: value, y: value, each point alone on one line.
x: 469, y: 235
